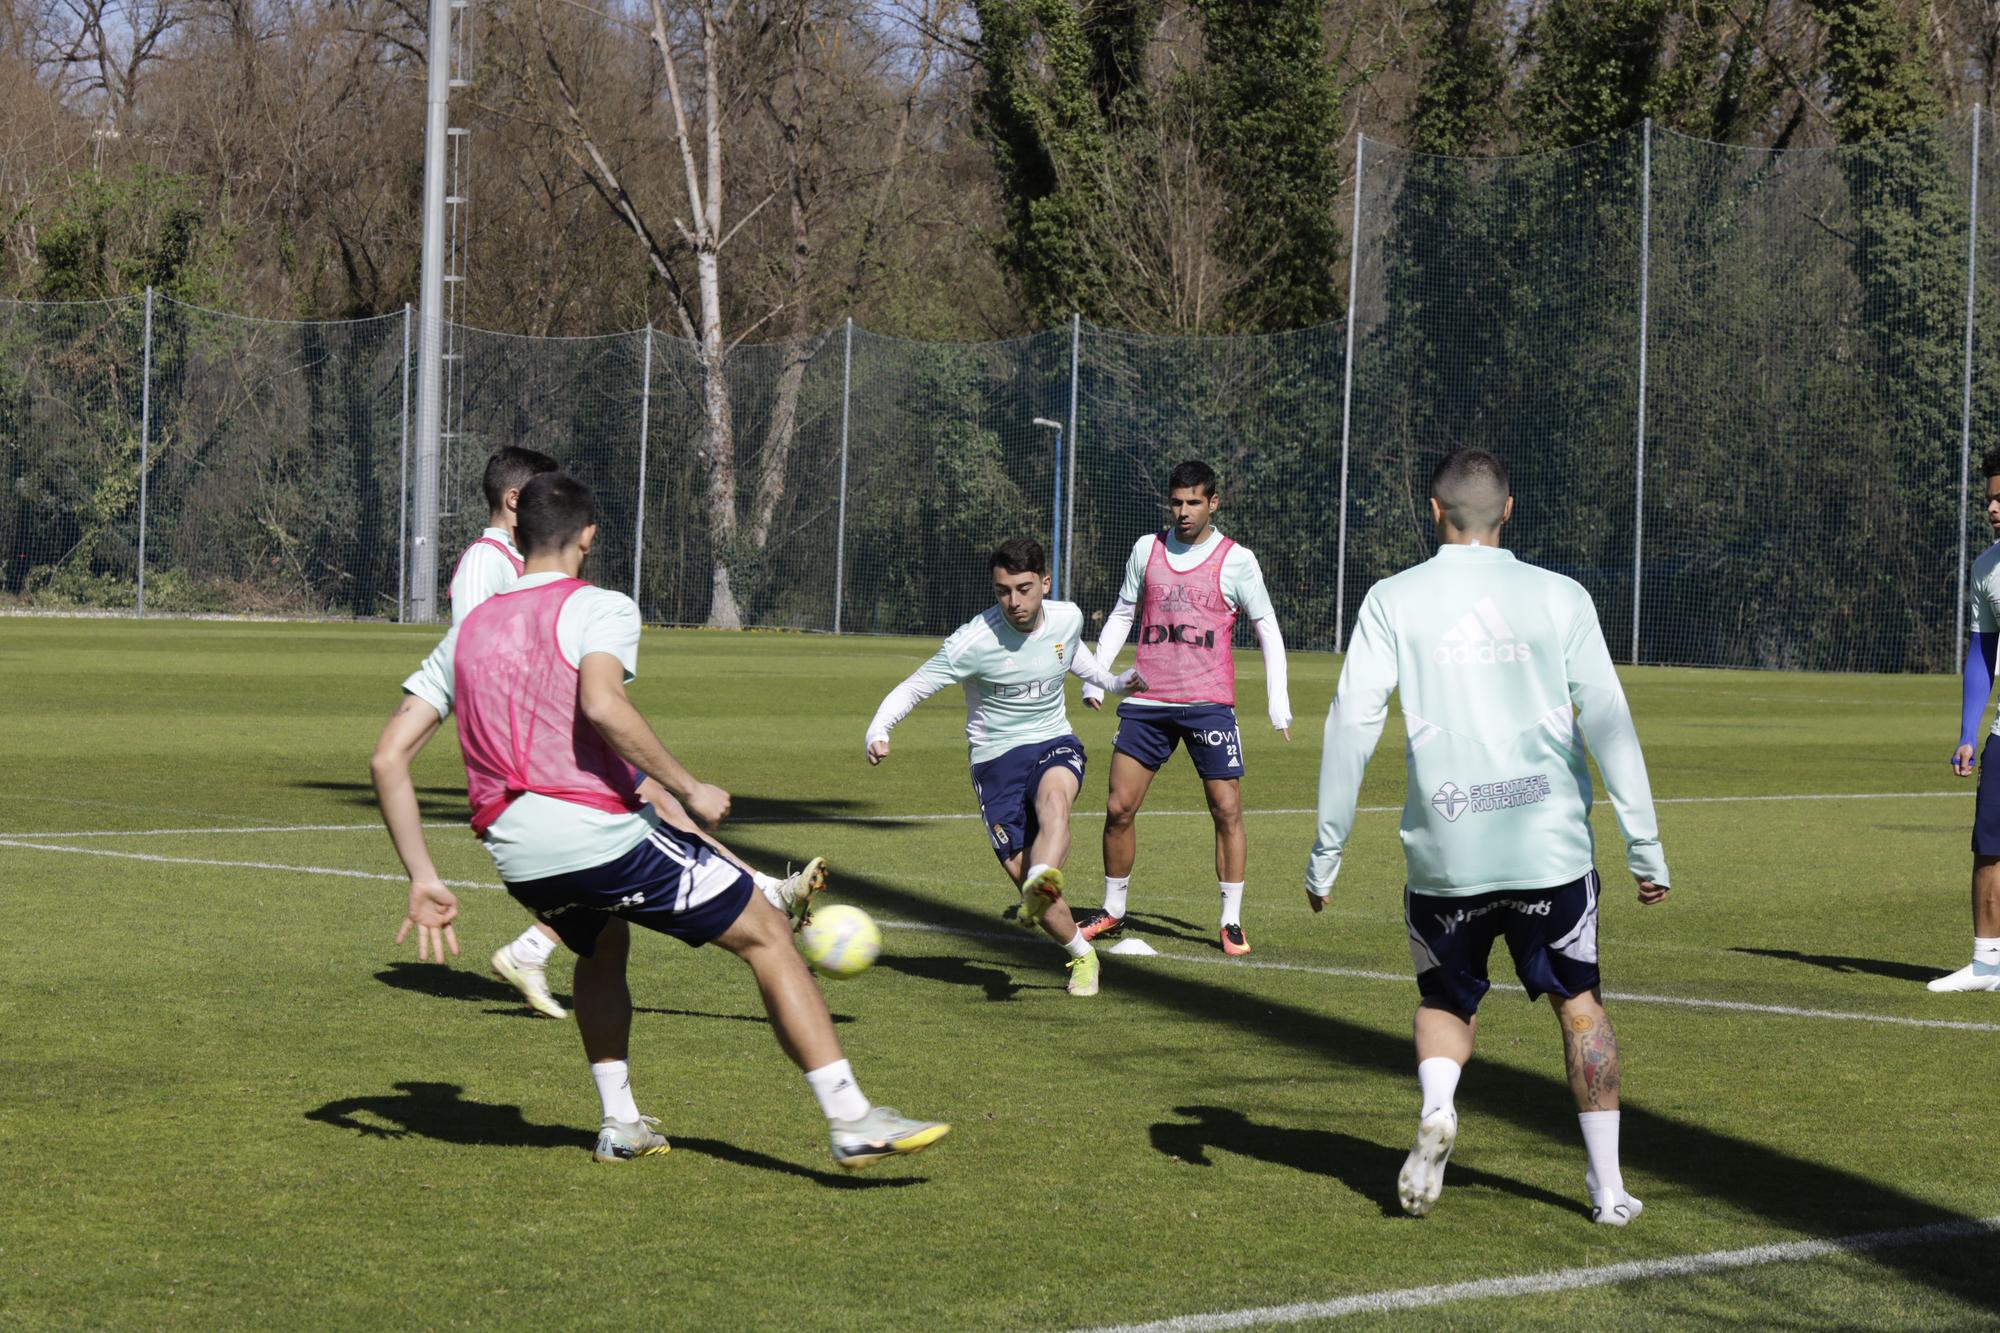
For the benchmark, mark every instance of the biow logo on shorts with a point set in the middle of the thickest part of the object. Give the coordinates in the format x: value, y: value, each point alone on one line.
x: 1482, y: 637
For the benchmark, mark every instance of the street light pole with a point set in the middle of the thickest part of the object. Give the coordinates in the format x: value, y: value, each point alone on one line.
x: 1056, y: 544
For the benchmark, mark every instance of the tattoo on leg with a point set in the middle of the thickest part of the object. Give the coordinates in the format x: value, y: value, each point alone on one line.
x: 1590, y: 1050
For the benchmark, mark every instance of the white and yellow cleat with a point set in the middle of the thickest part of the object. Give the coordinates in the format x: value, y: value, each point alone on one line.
x: 1039, y: 893
x: 620, y: 1142
x: 532, y: 982
x: 883, y: 1132
x: 793, y: 895
x: 1083, y: 974
x: 1422, y: 1177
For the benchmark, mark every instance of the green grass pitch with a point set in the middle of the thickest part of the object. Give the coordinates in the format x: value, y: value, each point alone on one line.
x: 226, y: 1099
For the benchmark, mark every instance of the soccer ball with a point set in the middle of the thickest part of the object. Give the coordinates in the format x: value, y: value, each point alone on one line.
x: 840, y: 941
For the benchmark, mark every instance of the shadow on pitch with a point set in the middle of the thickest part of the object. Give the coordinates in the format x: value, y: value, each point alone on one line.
x: 1369, y: 1169
x: 459, y: 983
x: 440, y: 1111
x: 1879, y: 967
x: 998, y: 984
x: 441, y: 803
x: 839, y: 1180
x: 746, y: 809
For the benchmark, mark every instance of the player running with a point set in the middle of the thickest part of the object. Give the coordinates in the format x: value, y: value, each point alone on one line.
x: 550, y: 740
x: 1497, y: 662
x: 1983, y: 972
x: 1187, y: 586
x: 1027, y: 766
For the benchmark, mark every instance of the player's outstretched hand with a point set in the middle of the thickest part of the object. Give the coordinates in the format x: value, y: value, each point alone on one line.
x: 878, y: 750
x: 1650, y: 893
x: 1962, y: 761
x: 433, y: 908
x: 708, y: 803
x: 1093, y: 698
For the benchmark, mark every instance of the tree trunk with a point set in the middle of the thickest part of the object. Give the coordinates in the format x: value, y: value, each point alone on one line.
x: 719, y: 446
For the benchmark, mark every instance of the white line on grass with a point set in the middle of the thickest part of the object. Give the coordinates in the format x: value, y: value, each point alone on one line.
x: 955, y: 816
x: 1359, y: 974
x: 1571, y: 1279
x: 1363, y: 974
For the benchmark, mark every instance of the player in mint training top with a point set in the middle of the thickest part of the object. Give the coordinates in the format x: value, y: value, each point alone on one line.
x: 1187, y: 587
x: 1983, y: 972
x: 1027, y: 766
x: 1497, y: 663
x: 537, y: 675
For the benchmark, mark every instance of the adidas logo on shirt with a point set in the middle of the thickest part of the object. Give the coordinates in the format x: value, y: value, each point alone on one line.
x: 1481, y: 637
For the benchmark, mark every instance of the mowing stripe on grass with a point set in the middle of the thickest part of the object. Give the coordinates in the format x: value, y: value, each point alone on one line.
x: 1402, y: 978
x: 954, y: 816
x: 1571, y: 1279
x: 1740, y: 1006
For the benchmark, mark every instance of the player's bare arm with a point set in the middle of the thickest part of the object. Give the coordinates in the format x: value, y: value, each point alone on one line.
x: 602, y: 699
x: 432, y: 907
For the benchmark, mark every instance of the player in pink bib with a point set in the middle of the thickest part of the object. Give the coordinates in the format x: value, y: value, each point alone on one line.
x: 1186, y: 588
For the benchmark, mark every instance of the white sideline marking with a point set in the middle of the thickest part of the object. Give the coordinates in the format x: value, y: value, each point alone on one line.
x: 1570, y: 1279
x: 1359, y: 974
x: 965, y: 815
x: 1628, y: 997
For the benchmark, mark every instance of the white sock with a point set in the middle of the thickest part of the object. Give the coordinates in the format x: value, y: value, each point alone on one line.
x: 1232, y: 902
x: 1115, y: 890
x: 1600, y: 1141
x: 614, y: 1089
x: 1438, y: 1077
x: 531, y: 948
x: 839, y: 1095
x: 1985, y: 954
x: 1076, y: 944
x: 1034, y: 870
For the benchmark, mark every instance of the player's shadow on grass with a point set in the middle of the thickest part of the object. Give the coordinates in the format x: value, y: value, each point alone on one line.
x: 1369, y: 1169
x: 440, y: 1111
x: 999, y: 985
x: 1167, y: 928
x: 747, y: 809
x: 462, y: 983
x: 839, y: 1180
x: 432, y: 802
x: 1880, y: 967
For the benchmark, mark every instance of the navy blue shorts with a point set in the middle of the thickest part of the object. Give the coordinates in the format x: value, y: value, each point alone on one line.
x: 1552, y: 934
x: 671, y: 882
x: 1006, y: 788
x: 1986, y: 805
x: 1149, y: 734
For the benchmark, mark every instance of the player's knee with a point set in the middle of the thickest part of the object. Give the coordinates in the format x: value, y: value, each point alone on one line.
x: 1118, y: 813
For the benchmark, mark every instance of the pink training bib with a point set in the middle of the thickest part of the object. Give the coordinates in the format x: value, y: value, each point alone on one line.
x: 516, y: 561
x: 518, y: 721
x: 1184, y: 626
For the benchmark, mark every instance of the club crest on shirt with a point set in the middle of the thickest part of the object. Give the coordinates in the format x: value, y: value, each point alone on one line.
x: 1059, y: 656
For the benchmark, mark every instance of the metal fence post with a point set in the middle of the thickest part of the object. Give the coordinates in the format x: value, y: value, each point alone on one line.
x: 645, y: 416
x: 1645, y: 294
x: 840, y: 523
x: 145, y: 440
x: 1965, y: 405
x: 1075, y: 446
x: 1347, y: 400
x: 403, y: 484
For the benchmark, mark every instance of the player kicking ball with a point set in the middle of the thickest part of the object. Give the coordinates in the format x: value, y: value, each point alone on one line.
x: 1497, y: 662
x: 1027, y: 766
x: 550, y: 740
x: 1187, y: 586
x: 1983, y: 972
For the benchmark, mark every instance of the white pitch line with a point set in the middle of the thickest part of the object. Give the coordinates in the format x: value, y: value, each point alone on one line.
x: 971, y: 815
x: 1359, y: 974
x: 1363, y: 974
x: 1570, y: 1279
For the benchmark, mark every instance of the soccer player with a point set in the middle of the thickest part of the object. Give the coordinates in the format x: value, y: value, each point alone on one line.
x: 1027, y: 766
x: 1186, y: 586
x: 1497, y: 662
x: 550, y: 740
x: 1983, y: 972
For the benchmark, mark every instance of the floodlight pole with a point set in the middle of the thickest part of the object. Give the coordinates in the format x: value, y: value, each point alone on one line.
x: 1069, y: 518
x: 840, y: 523
x: 1645, y: 294
x: 1347, y: 400
x: 403, y: 485
x: 1965, y: 404
x: 645, y: 416
x: 145, y: 440
x: 430, y: 312
x: 1055, y: 545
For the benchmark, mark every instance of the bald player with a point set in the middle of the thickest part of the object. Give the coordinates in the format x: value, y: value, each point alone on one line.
x: 1497, y: 663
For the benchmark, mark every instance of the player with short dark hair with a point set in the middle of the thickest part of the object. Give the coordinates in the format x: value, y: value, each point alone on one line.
x: 1186, y: 586
x: 1496, y: 663
x: 1027, y: 765
x: 550, y: 741
x: 1983, y: 972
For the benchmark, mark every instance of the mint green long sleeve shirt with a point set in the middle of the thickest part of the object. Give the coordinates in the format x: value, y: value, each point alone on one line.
x: 1504, y: 678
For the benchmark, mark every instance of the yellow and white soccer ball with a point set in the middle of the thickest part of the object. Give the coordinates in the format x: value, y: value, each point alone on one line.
x: 840, y: 941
